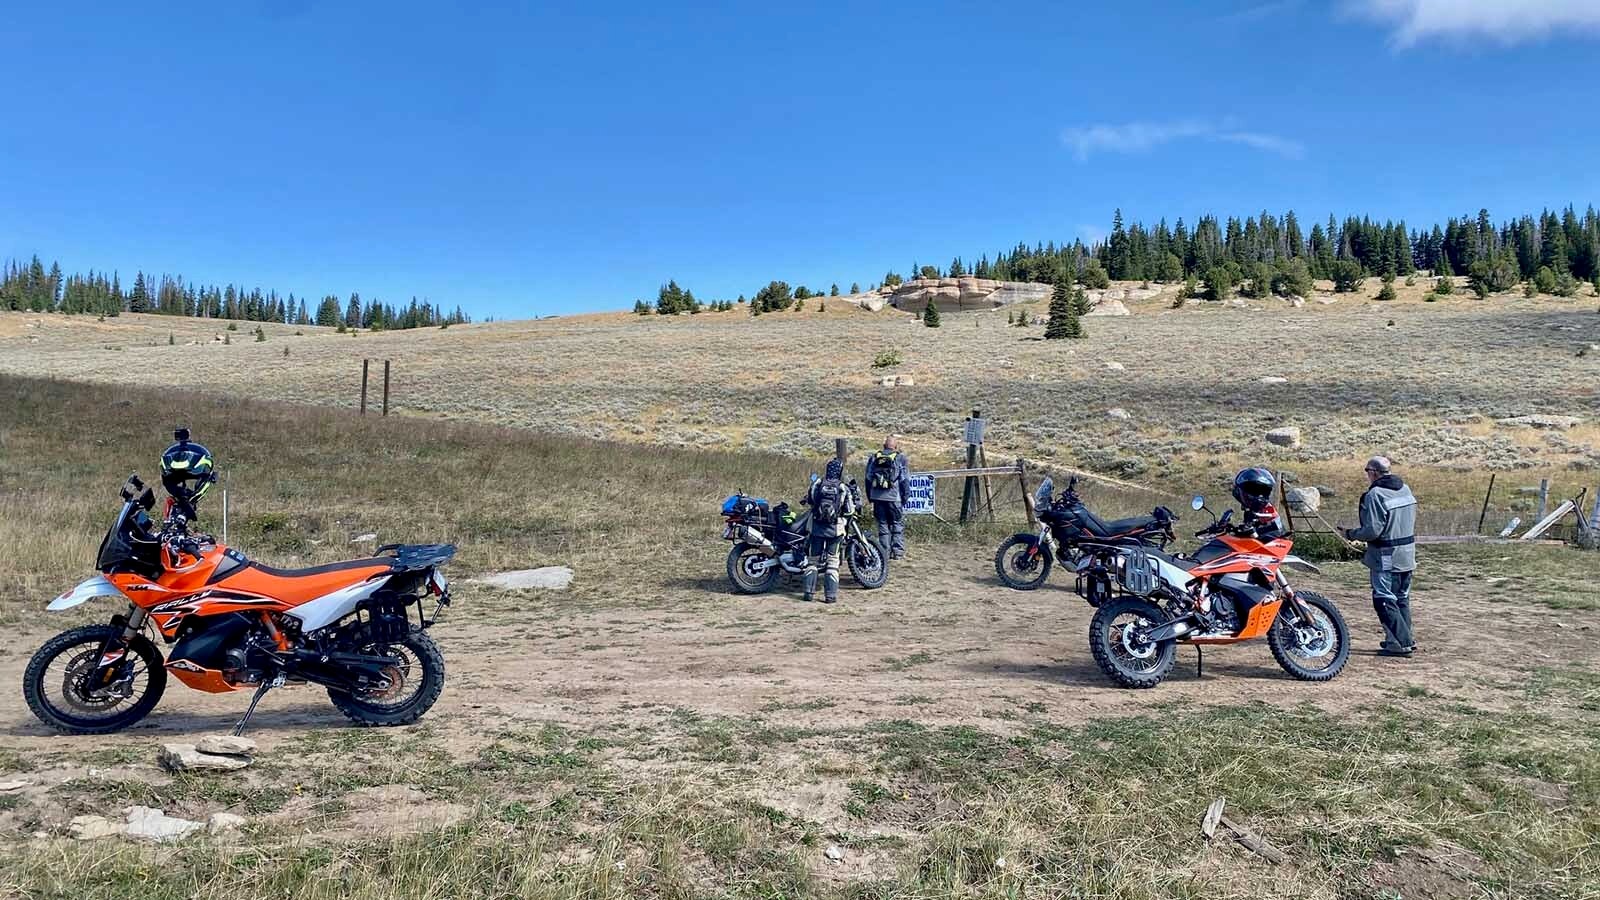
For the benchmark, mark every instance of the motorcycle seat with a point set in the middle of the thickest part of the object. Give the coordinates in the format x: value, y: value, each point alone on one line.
x: 1116, y: 527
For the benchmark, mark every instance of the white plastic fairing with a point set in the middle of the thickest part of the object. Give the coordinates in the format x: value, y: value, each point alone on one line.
x: 330, y: 608
x: 97, y: 586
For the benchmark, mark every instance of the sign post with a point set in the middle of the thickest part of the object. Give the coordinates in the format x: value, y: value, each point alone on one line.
x: 974, y: 437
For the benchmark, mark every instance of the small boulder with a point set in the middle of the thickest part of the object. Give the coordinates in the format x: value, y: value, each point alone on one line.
x: 1287, y: 436
x: 834, y: 853
x: 1109, y: 308
x: 10, y: 787
x: 1274, y: 379
x: 94, y: 828
x: 553, y: 578
x: 224, y: 821
x: 367, y: 538
x: 1543, y: 421
x: 155, y: 825
x: 185, y: 757
x: 1116, y: 366
x: 1304, y: 499
x: 1119, y: 413
x: 226, y: 744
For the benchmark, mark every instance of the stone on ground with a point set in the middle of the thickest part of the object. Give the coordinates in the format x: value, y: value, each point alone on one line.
x: 226, y: 744
x: 1109, y: 308
x: 1119, y: 413
x: 185, y: 757
x: 1305, y: 499
x: 1543, y: 421
x: 155, y: 825
x: 1287, y: 436
x: 94, y: 828
x: 224, y: 821
x: 553, y: 578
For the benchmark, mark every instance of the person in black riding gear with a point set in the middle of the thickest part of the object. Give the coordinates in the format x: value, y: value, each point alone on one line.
x: 831, y: 500
x: 187, y: 472
x: 889, y: 488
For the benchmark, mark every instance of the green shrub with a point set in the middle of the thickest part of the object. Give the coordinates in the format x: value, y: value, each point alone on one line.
x: 1347, y: 276
x: 1323, y: 547
x: 886, y: 358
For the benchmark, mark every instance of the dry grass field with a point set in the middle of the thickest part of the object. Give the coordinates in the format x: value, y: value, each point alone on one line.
x: 648, y: 734
x: 1425, y: 383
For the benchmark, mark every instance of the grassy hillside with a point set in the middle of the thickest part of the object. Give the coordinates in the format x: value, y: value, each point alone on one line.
x: 648, y: 735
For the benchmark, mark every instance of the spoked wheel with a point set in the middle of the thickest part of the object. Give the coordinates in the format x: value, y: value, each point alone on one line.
x: 411, y: 683
x: 750, y: 570
x: 1313, y: 648
x: 1021, y: 563
x: 69, y: 691
x: 869, y: 565
x: 1118, y: 649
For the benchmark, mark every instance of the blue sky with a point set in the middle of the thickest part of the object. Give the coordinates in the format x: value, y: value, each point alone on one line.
x: 529, y: 160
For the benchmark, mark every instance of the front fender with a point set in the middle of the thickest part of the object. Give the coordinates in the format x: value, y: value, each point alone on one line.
x: 97, y: 586
x: 1031, y: 540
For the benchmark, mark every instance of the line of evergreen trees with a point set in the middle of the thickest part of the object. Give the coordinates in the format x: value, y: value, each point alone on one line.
x: 33, y: 288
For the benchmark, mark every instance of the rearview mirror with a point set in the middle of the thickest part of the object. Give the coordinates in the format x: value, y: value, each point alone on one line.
x: 1198, y: 502
x: 815, y: 478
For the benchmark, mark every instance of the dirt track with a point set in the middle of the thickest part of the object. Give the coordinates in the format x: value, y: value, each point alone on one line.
x: 943, y: 643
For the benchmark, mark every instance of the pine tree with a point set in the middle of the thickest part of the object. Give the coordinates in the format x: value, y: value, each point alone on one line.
x: 261, y: 336
x: 930, y: 315
x: 1080, y: 302
x: 1063, y: 313
x: 854, y: 288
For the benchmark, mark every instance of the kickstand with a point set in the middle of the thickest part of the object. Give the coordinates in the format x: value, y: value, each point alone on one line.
x: 1199, y: 663
x: 261, y: 691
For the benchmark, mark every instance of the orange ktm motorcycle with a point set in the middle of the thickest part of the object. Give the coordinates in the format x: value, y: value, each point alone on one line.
x: 1231, y: 589
x: 234, y: 623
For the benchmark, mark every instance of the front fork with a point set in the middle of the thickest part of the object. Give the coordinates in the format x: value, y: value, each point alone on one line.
x: 1290, y: 601
x: 114, y: 662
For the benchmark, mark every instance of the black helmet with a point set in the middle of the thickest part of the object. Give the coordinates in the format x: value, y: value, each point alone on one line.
x: 186, y: 472
x: 1253, y: 488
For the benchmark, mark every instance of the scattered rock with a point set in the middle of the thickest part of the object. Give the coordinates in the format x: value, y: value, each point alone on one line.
x: 155, y: 825
x: 7, y: 787
x: 224, y: 821
x: 185, y: 757
x: 1288, y: 436
x: 1000, y: 862
x: 226, y: 744
x: 1109, y: 308
x: 367, y: 538
x: 1542, y: 421
x: 553, y: 578
x: 1297, y: 302
x: 1119, y: 413
x: 1304, y: 499
x: 897, y: 381
x: 1274, y: 379
x: 94, y: 828
x: 1326, y: 492
x: 834, y: 853
x: 1116, y: 366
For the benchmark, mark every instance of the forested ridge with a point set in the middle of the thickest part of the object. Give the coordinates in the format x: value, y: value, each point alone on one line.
x: 30, y: 286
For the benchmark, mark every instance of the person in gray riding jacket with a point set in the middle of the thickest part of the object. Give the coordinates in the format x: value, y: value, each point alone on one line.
x: 822, y: 544
x: 1389, y: 528
x: 889, y: 487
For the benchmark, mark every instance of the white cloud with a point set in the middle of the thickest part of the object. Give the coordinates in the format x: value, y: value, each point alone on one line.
x: 1502, y: 21
x: 1141, y: 137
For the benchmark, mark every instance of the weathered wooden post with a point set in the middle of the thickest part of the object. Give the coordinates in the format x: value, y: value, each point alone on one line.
x: 364, y: 386
x: 1485, y: 513
x: 840, y: 450
x: 386, y: 387
x: 1594, y: 514
x: 974, y: 437
x: 1027, y: 498
x: 1544, y: 498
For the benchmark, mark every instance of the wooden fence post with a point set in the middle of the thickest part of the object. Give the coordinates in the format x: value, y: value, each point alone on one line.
x: 1027, y: 498
x: 386, y: 387
x: 1594, y: 514
x: 969, y: 486
x: 364, y: 386
x: 840, y: 450
x: 1544, y: 497
x: 1485, y: 513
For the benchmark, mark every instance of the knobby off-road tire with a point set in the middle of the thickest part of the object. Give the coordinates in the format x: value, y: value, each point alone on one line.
x: 1014, y: 550
x: 82, y: 646
x: 745, y: 582
x: 868, y: 564
x: 1285, y: 649
x: 1112, y: 653
x: 426, y: 665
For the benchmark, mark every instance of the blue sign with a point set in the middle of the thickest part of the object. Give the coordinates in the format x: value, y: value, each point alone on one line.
x: 919, y: 500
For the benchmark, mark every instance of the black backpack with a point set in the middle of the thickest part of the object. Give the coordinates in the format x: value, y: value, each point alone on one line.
x: 828, y: 502
x: 883, y: 470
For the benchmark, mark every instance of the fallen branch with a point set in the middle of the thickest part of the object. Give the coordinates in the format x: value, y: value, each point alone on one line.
x: 1251, y: 841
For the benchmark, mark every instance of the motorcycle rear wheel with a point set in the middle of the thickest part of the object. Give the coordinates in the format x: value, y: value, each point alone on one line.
x: 1296, y: 651
x: 869, y: 565
x: 1119, y: 654
x: 83, y: 712
x: 418, y: 676
x: 1027, y: 570
x: 743, y: 578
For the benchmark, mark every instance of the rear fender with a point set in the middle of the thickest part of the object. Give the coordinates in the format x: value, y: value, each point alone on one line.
x: 97, y: 586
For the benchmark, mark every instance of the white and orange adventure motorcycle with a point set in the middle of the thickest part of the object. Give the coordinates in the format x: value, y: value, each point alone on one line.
x: 356, y: 628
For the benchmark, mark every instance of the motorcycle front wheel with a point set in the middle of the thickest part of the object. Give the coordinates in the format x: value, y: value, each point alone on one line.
x: 1114, y: 640
x: 1019, y: 566
x: 1311, y: 649
x: 869, y: 565
x: 745, y: 570
x: 58, y: 688
x: 415, y: 680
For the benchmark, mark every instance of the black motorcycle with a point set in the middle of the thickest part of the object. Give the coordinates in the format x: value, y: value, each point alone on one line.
x: 771, y: 540
x: 1070, y: 531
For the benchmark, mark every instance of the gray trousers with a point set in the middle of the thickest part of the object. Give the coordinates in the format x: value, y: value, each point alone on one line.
x: 1391, y: 598
x: 891, y: 519
x: 823, y: 551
